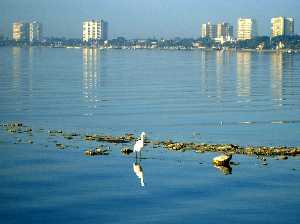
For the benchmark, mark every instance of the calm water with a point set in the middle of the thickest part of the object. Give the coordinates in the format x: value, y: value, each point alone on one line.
x: 217, y: 97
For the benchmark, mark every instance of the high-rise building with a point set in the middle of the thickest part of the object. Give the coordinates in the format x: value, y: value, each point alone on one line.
x: 224, y: 31
x: 104, y: 30
x: 35, y: 31
x: 282, y: 26
x: 289, y: 26
x: 94, y: 30
x: 27, y: 32
x: 209, y: 30
x: 20, y: 31
x: 247, y: 29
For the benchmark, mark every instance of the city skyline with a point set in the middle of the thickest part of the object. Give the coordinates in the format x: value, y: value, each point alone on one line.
x: 133, y: 19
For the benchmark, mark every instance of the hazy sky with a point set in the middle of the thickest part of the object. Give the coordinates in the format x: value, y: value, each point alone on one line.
x: 143, y: 18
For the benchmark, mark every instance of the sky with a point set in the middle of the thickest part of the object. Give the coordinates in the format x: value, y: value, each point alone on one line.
x: 143, y: 18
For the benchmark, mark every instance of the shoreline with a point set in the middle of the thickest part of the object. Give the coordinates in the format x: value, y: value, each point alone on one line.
x: 286, y: 51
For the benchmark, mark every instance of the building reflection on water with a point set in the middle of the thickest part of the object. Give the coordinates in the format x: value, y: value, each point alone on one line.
x: 243, y: 70
x: 215, y: 65
x: 282, y: 76
x: 205, y: 59
x: 219, y: 73
x: 91, y: 75
x: 22, y: 66
x: 276, y: 77
x: 16, y: 68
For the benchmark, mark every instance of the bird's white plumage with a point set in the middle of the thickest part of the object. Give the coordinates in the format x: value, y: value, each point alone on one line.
x: 138, y: 146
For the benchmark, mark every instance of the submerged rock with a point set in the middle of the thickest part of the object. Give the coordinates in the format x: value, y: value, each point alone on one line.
x: 14, y: 124
x: 96, y: 152
x: 126, y: 151
x: 282, y: 158
x: 235, y: 163
x: 224, y: 169
x: 55, y: 132
x: 60, y: 146
x: 222, y: 160
x: 263, y: 152
x: 110, y: 139
x: 68, y: 137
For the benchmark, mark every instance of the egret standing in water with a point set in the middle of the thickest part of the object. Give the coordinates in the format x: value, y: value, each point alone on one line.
x: 139, y: 145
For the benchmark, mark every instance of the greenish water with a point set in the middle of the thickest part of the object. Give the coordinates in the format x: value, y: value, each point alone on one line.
x: 216, y: 97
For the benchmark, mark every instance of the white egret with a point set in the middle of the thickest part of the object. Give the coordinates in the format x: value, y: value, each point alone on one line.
x: 139, y: 145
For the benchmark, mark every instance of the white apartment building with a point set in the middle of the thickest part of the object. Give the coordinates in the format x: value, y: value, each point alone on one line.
x: 282, y: 26
x: 35, y: 31
x: 94, y: 30
x: 247, y: 29
x: 20, y: 31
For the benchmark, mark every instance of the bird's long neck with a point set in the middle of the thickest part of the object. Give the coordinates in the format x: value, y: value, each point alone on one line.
x: 143, y: 138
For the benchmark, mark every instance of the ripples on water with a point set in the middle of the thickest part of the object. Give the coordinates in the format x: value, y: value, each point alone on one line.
x: 205, y: 96
x: 168, y: 93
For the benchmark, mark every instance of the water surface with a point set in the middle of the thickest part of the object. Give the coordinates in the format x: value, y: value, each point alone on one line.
x: 203, y: 96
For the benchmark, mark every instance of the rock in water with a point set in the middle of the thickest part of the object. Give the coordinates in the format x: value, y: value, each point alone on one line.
x: 222, y: 160
x: 126, y: 151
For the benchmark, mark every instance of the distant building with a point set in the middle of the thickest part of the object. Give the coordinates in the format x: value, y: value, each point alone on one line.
x: 94, y: 30
x: 27, y: 32
x: 20, y: 31
x: 247, y: 29
x: 224, y: 32
x: 209, y: 30
x: 35, y: 31
x: 282, y: 26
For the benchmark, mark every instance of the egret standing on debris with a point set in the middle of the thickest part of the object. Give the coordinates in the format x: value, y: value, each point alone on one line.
x: 139, y: 145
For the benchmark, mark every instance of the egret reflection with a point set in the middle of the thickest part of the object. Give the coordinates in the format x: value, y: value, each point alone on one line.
x: 138, y: 170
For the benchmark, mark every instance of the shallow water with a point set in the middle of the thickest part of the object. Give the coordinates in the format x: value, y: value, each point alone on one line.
x: 215, y: 97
